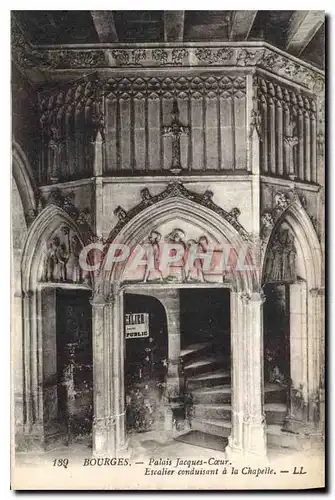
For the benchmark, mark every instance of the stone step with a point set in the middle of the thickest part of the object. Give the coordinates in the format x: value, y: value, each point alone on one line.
x: 275, y: 393
x: 194, y: 349
x: 216, y: 427
x: 204, y: 365
x: 275, y: 413
x: 212, y: 411
x: 217, y: 394
x: 222, y: 394
x: 277, y: 438
x: 209, y: 379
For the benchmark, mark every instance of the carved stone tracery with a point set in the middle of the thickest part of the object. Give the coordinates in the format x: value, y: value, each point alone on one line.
x: 175, y: 87
x: 82, y: 218
x: 177, y: 189
x: 70, y: 117
x: 286, y: 114
x: 282, y: 201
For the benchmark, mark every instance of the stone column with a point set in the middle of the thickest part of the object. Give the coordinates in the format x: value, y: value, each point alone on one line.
x: 108, y: 390
x: 248, y: 435
x: 33, y: 374
x: 170, y: 299
x: 172, y: 308
x: 315, y: 343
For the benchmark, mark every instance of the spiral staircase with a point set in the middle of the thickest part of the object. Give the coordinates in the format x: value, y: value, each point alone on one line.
x: 207, y: 378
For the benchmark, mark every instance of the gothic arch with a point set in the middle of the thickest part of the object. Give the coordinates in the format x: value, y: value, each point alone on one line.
x: 137, y: 229
x: 24, y: 178
x: 306, y: 319
x: 43, y: 227
x: 296, y: 217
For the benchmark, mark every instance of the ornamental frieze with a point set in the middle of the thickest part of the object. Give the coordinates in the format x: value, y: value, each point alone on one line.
x: 251, y: 54
x: 181, y: 87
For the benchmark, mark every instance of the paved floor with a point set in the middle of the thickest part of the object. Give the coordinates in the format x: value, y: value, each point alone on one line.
x: 150, y: 444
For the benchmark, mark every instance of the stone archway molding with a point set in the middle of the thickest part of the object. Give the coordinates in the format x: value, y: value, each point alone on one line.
x: 24, y: 178
x: 176, y: 190
x: 291, y: 210
x: 177, y: 202
x: 45, y: 224
x: 306, y: 319
x: 248, y: 428
x: 39, y: 328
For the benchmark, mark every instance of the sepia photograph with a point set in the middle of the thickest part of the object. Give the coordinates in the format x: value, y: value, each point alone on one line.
x: 167, y: 249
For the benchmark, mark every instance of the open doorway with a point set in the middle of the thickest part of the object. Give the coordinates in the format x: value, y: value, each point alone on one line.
x: 205, y: 317
x: 276, y: 327
x: 276, y: 333
x: 74, y: 362
x: 206, y: 359
x: 146, y: 362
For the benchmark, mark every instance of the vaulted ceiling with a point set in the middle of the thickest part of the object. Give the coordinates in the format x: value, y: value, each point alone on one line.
x: 301, y: 33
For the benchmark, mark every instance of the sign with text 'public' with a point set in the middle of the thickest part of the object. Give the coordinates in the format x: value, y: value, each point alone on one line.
x: 136, y: 325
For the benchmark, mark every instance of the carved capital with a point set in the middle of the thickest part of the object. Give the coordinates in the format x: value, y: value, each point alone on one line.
x: 27, y: 294
x: 291, y: 141
x: 316, y: 292
x: 105, y: 294
x: 258, y: 297
x: 245, y: 297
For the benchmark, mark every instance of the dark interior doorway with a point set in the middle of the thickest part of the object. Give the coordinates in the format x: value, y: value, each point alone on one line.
x: 74, y: 361
x: 276, y: 312
x: 205, y: 317
x: 146, y: 356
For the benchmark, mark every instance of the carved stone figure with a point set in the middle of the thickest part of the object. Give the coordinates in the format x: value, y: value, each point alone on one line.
x: 178, y: 236
x: 281, y: 261
x: 195, y: 265
x: 281, y: 202
x: 62, y: 256
x: 267, y: 223
x: 73, y: 266
x: 57, y: 256
x: 50, y: 263
x: 153, y: 256
x: 55, y: 146
x: 175, y: 130
x: 256, y: 124
x: 291, y: 140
